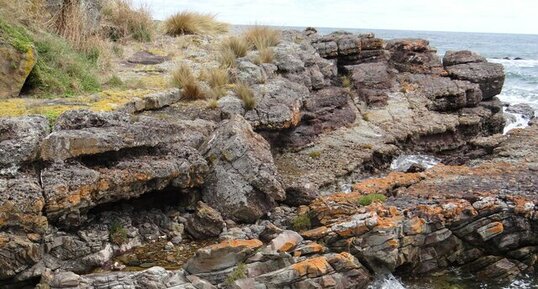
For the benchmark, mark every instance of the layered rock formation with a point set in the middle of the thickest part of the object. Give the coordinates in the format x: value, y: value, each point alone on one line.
x: 330, y: 110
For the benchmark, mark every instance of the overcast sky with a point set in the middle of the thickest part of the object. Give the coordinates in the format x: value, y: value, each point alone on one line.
x: 513, y: 16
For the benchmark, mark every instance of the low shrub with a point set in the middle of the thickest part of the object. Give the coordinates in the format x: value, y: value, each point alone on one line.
x: 372, y: 198
x: 301, y: 223
x: 240, y: 272
x: 188, y: 22
x: 118, y: 234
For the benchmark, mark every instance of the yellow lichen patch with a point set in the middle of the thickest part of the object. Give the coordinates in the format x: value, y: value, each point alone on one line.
x: 13, y: 107
x: 312, y: 268
x: 495, y: 228
x: 288, y: 246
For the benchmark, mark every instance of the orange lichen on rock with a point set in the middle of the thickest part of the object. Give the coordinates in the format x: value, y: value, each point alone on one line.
x: 313, y: 248
x: 312, y: 268
x: 250, y: 244
x: 316, y: 233
x: 388, y: 183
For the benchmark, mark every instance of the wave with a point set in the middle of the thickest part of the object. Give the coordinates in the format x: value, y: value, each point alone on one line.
x: 523, y: 63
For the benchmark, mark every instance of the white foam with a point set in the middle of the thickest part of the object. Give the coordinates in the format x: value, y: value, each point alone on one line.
x: 387, y: 282
x: 516, y: 63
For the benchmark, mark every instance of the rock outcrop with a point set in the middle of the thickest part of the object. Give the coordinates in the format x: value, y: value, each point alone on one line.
x: 160, y: 189
x: 242, y: 183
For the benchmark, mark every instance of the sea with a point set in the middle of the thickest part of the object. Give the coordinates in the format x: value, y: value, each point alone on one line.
x: 519, y: 56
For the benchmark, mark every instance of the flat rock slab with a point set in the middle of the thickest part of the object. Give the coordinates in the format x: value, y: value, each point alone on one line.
x: 147, y: 58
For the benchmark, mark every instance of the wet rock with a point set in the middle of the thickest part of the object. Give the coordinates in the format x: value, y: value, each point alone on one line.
x: 20, y: 139
x: 462, y: 57
x: 146, y: 58
x: 243, y: 183
x: 206, y: 222
x: 490, y: 76
x: 522, y: 108
x: 221, y: 256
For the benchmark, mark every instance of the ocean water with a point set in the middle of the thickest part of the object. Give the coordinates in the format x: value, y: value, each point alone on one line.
x: 521, y: 85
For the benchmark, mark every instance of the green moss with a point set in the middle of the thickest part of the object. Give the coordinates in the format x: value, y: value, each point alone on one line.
x: 301, y: 222
x: 315, y: 154
x: 60, y: 70
x: 17, y: 36
x: 240, y: 272
x: 118, y: 233
x: 369, y: 199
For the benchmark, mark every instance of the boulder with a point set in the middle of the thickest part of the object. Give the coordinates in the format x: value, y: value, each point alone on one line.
x: 373, y: 81
x: 285, y: 242
x: 221, y: 256
x: 490, y: 76
x: 522, y: 108
x: 146, y: 58
x: 205, y: 223
x: 113, y: 133
x: 462, y: 57
x: 446, y: 94
x: 20, y: 140
x: 18, y: 254
x: 72, y: 188
x: 414, y: 56
x: 243, y: 183
x: 17, y: 59
x: 278, y: 104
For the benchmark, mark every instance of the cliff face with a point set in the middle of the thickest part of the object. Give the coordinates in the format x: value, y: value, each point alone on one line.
x: 329, y: 109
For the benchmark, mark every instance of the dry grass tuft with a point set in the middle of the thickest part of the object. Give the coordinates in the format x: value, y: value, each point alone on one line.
x: 189, y: 22
x: 122, y: 20
x: 183, y: 78
x: 212, y: 103
x: 261, y: 37
x: 265, y: 55
x: 244, y: 92
x: 238, y: 45
x: 182, y: 75
x: 216, y: 77
x: 227, y: 57
x: 192, y: 91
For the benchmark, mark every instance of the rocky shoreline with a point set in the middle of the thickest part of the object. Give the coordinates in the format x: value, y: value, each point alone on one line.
x: 262, y: 187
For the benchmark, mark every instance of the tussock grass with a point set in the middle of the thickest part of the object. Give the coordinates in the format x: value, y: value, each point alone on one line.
x: 238, y: 45
x: 261, y: 37
x: 212, y: 103
x: 183, y: 78
x: 182, y: 75
x: 226, y: 57
x: 188, y: 22
x: 123, y: 21
x: 265, y: 55
x: 245, y: 93
x: 216, y: 77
